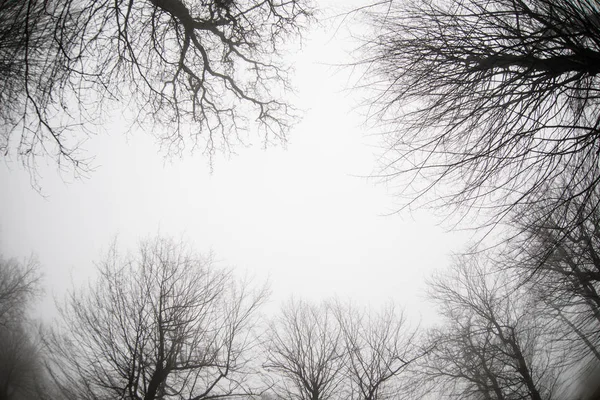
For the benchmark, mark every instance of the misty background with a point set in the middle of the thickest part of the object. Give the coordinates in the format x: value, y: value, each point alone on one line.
x: 428, y: 228
x: 310, y: 218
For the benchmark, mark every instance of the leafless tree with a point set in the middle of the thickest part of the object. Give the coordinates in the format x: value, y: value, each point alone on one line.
x: 464, y: 362
x: 379, y: 347
x: 19, y: 283
x: 494, y: 344
x: 488, y: 102
x: 21, y: 365
x: 557, y: 257
x: 163, y: 324
x: 305, y: 353
x: 22, y: 374
x: 203, y: 71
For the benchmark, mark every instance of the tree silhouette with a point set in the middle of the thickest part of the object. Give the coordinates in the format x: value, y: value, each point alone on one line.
x: 160, y: 325
x: 487, y: 102
x: 556, y: 257
x: 494, y: 343
x: 19, y: 283
x: 305, y: 352
x: 202, y: 71
x: 21, y: 365
x: 379, y: 348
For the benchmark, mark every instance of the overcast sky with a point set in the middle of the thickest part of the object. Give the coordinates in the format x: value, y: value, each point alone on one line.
x: 304, y: 217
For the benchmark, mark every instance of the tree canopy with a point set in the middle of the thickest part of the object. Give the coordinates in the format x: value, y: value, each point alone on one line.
x: 484, y: 105
x: 196, y: 73
x: 160, y: 324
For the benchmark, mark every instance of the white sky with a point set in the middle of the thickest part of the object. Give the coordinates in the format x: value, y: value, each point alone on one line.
x: 301, y: 217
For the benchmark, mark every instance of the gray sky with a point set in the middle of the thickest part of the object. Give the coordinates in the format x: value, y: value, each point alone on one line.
x: 303, y: 217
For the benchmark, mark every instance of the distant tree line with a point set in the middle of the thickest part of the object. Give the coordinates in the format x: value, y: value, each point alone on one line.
x: 164, y: 323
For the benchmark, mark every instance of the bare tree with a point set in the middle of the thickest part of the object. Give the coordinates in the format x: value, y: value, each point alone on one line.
x: 464, y: 362
x: 487, y: 101
x: 379, y: 347
x: 203, y: 71
x: 19, y: 283
x: 557, y: 257
x: 494, y: 344
x: 21, y: 366
x: 22, y: 374
x: 163, y: 324
x: 305, y: 352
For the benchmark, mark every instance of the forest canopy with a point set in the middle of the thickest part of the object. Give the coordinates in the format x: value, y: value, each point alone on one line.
x: 197, y: 74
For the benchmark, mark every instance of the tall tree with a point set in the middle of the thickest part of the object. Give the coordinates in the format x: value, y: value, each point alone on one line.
x: 305, y: 352
x: 19, y: 283
x: 21, y: 366
x: 379, y: 348
x: 203, y: 71
x: 487, y: 101
x: 22, y: 374
x: 464, y: 362
x: 557, y: 257
x: 162, y: 324
x: 495, y: 345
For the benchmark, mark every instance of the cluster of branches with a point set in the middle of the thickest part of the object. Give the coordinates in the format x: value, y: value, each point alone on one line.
x: 494, y: 342
x: 520, y: 317
x: 487, y: 102
x: 335, y: 350
x: 203, y: 71
x: 159, y: 324
x: 557, y: 255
